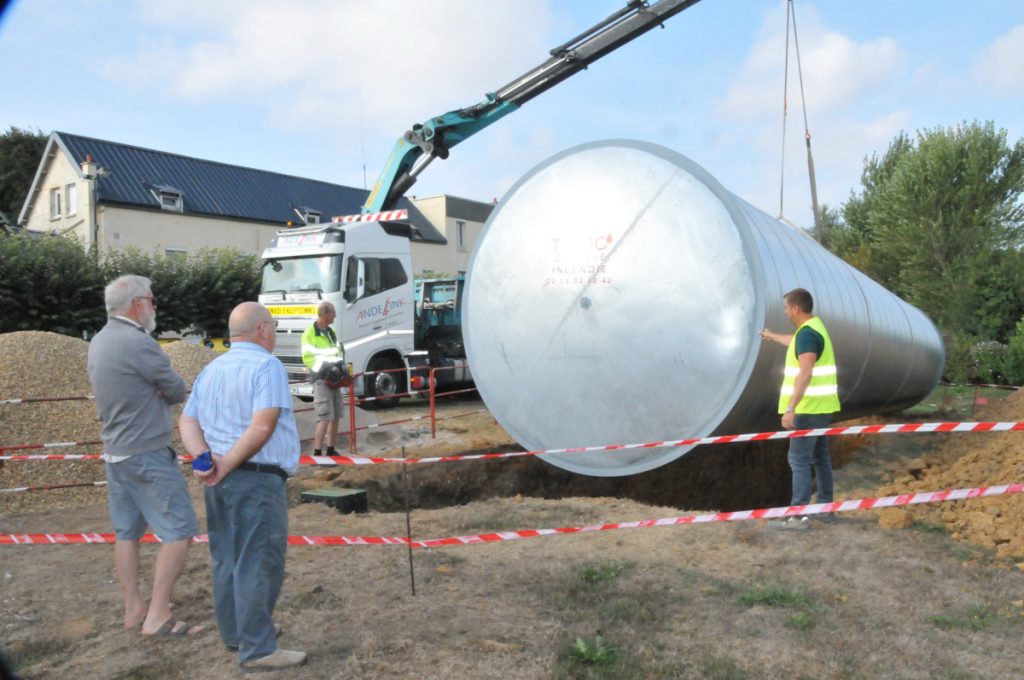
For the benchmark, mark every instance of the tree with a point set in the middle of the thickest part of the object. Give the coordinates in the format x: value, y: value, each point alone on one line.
x: 941, y: 222
x: 20, y: 151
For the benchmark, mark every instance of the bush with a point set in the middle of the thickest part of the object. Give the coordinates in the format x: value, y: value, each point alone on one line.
x: 1013, y: 367
x: 51, y: 283
x: 959, y: 365
x: 988, y: 361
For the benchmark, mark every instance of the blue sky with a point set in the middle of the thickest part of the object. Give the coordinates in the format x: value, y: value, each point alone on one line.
x: 322, y: 88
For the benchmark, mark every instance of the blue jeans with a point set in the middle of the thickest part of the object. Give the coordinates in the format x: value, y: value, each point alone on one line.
x: 810, y: 452
x: 247, y: 520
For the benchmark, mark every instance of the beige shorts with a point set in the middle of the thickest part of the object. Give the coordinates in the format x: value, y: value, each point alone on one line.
x: 327, y: 402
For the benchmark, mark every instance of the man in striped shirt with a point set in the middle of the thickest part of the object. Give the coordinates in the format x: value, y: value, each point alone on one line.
x: 240, y: 410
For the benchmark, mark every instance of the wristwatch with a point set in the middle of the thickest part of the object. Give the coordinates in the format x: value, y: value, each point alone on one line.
x: 789, y: 409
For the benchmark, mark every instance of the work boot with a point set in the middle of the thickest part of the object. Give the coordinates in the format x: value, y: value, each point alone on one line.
x: 279, y: 660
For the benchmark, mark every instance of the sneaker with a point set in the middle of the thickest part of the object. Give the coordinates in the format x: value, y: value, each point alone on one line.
x: 791, y: 524
x: 277, y: 633
x: 828, y: 518
x: 279, y: 660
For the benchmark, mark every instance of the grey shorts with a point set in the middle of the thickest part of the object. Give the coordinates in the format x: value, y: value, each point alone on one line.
x: 327, y: 402
x: 150, y: 489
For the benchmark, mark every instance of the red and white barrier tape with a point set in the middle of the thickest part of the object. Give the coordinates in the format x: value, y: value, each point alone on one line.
x: 51, y: 445
x: 35, y: 400
x: 896, y: 428
x: 50, y: 487
x: 498, y: 536
x: 386, y: 216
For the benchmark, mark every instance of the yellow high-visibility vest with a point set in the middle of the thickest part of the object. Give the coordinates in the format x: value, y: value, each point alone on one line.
x: 319, y: 347
x: 822, y: 394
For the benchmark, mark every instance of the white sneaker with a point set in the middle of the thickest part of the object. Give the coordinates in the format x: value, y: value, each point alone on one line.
x: 791, y: 524
x: 279, y: 660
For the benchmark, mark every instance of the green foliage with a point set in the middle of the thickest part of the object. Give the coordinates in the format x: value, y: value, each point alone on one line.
x: 988, y: 359
x: 20, y: 153
x: 596, y: 652
x: 773, y: 596
x: 49, y: 283
x: 939, y: 221
x: 52, y: 283
x: 600, y: 573
x: 800, y: 621
x: 959, y: 365
x: 1013, y: 367
x: 222, y: 277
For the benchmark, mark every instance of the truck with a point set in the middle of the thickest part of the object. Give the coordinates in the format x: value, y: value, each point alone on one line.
x: 363, y: 264
x: 392, y: 326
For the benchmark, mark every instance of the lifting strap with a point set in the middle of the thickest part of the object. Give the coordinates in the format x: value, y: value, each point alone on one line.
x: 791, y: 19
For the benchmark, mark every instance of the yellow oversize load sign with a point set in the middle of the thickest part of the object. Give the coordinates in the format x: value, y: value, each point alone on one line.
x: 292, y: 310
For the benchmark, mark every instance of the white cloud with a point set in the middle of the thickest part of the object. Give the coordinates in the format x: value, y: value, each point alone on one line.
x: 373, y: 63
x: 1001, y: 64
x: 836, y: 69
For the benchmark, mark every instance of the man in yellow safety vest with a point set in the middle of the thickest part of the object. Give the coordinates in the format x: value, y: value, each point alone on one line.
x: 320, y: 346
x: 807, y: 400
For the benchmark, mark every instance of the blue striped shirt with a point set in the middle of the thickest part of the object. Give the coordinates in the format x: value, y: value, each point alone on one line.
x: 231, y: 389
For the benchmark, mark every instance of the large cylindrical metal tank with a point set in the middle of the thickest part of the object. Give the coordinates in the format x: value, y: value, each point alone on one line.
x: 616, y: 296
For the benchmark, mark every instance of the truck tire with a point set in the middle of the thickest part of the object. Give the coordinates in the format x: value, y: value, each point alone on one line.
x: 383, y: 384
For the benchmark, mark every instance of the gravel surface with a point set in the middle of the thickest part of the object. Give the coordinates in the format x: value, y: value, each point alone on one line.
x: 35, y: 364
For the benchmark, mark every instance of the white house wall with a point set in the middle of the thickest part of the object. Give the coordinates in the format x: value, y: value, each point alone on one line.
x: 59, y: 173
x: 449, y: 258
x: 166, y: 231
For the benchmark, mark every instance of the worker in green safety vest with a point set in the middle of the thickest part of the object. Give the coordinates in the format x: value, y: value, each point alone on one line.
x: 320, y: 346
x: 807, y: 400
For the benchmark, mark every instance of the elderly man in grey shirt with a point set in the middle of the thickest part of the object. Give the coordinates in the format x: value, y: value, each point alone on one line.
x: 134, y: 386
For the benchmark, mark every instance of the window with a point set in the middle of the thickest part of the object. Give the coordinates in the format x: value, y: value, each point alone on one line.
x: 380, y: 274
x: 308, y: 215
x: 71, y: 198
x: 170, y: 201
x: 168, y: 198
x: 55, y: 212
x: 460, y: 235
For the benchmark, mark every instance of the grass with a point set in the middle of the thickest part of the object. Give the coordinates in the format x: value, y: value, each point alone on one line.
x: 605, y: 572
x: 32, y: 652
x: 973, y: 618
x: 773, y: 596
x: 957, y: 399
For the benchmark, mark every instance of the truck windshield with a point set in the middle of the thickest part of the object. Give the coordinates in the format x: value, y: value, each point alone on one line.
x: 321, y: 273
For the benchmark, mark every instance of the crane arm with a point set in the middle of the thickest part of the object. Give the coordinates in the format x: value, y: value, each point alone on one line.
x: 435, y: 137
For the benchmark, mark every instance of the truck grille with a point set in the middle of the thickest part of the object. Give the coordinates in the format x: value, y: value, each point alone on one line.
x: 289, y: 350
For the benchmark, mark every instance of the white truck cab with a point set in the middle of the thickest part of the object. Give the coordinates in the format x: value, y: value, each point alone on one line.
x: 365, y: 269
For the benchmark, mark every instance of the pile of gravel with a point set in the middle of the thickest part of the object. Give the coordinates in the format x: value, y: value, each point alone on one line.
x: 36, y: 364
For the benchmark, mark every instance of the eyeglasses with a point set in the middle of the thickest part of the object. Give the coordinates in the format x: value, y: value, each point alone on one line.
x: 152, y: 300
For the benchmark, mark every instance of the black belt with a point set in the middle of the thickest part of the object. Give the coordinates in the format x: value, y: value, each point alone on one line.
x: 264, y: 467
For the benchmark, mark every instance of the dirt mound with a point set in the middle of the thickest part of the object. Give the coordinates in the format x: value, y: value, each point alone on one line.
x: 37, y: 364
x: 970, y: 460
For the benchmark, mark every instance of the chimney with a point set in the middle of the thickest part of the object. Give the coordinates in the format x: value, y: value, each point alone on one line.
x: 89, y: 167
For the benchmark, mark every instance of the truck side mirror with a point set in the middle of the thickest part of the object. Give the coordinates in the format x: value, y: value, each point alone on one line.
x: 360, y: 279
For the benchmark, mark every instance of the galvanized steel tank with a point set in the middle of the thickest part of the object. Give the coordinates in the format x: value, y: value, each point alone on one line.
x: 616, y: 296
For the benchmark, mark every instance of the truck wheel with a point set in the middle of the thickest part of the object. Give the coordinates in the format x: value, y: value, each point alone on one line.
x: 383, y: 384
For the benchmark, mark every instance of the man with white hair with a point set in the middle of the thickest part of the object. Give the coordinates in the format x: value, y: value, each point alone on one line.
x: 134, y: 386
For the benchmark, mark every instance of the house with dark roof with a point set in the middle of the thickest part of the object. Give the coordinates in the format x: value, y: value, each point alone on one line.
x: 118, y: 195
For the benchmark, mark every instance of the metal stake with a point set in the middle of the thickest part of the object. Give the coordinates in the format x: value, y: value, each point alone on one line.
x: 408, y: 524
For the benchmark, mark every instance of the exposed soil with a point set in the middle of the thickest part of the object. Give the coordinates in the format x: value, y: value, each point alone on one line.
x: 848, y: 600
